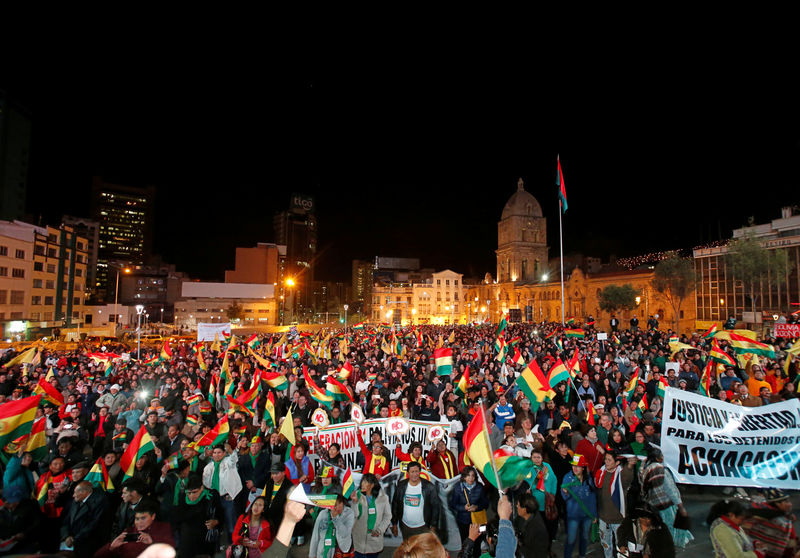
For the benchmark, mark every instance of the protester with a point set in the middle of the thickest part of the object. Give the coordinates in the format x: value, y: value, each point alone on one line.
x: 728, y: 538
x: 579, y: 494
x: 252, y: 530
x: 333, y: 532
x: 199, y: 517
x: 642, y: 533
x: 416, y: 505
x: 373, y: 516
x: 144, y: 532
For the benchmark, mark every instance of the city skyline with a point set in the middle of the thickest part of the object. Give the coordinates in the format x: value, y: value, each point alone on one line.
x: 419, y: 164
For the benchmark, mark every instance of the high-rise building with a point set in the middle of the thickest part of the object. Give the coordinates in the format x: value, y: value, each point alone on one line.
x: 262, y: 264
x: 362, y: 285
x: 90, y: 230
x: 296, y: 228
x: 125, y: 236
x: 15, y: 146
x: 42, y: 277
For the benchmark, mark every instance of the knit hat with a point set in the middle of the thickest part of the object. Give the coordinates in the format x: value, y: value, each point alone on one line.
x: 579, y: 460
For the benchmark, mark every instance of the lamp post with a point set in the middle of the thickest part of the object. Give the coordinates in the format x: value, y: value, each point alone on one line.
x: 346, y: 308
x: 290, y: 283
x: 162, y: 316
x: 116, y: 297
x: 139, y: 312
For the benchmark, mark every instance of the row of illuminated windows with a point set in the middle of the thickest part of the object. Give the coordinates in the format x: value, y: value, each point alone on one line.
x: 50, y: 284
x: 19, y: 254
x: 36, y: 300
x: 15, y: 272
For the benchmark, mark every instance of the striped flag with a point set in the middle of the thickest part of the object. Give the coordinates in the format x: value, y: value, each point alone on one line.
x: 558, y: 373
x: 338, y: 390
x: 48, y: 392
x: 316, y: 393
x: 16, y: 418
x: 712, y: 331
x: 348, y: 486
x: 630, y: 389
x: 216, y: 435
x: 345, y: 371
x: 502, y: 325
x: 744, y: 345
x: 140, y: 445
x: 275, y: 380
x: 37, y: 440
x: 166, y: 351
x: 253, y: 341
x: 237, y: 406
x: 269, y: 410
x: 719, y: 355
x: 577, y: 333
x: 562, y: 190
x: 98, y: 476
x: 534, y: 384
x: 517, y: 357
x: 705, y: 381
x: 194, y: 399
x: 192, y: 420
x: 478, y: 448
x: 444, y: 361
x: 463, y: 383
x: 511, y: 468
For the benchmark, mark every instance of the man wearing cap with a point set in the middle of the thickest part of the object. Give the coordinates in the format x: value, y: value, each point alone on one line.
x: 114, y: 400
x: 20, y: 519
x: 253, y: 470
x: 275, y: 492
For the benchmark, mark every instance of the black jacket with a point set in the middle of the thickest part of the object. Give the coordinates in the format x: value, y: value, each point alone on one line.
x: 87, y: 523
x: 274, y: 511
x: 258, y: 473
x: 432, y: 509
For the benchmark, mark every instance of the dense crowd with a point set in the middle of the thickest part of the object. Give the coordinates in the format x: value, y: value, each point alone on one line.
x: 597, y: 473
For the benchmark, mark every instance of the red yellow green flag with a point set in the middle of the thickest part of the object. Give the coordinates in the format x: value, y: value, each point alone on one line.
x: 269, y: 410
x: 562, y: 189
x: 534, y: 384
x: 37, y: 441
x: 141, y: 444
x: 49, y: 393
x: 216, y: 435
x: 463, y: 383
x: 348, y: 486
x: 338, y: 390
x: 479, y: 448
x: 98, y: 476
x: 16, y: 418
x: 166, y: 351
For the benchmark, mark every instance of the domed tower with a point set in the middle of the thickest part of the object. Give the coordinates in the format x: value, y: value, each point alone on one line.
x: 521, y: 238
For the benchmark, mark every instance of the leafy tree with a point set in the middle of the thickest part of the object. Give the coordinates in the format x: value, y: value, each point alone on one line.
x: 617, y: 297
x: 676, y: 279
x: 235, y: 311
x: 756, y: 266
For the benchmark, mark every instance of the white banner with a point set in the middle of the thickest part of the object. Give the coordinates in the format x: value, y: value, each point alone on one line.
x: 345, y: 435
x: 207, y: 332
x: 707, y: 441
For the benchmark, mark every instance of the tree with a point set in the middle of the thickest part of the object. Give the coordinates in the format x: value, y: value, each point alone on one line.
x: 235, y: 311
x: 616, y: 297
x: 676, y: 279
x: 756, y: 266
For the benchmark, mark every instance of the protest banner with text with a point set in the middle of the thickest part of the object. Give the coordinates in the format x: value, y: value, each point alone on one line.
x: 707, y: 441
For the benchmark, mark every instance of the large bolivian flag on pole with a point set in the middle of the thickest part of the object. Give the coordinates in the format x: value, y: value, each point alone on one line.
x: 478, y: 447
x: 444, y: 361
x: 16, y: 418
x: 534, y: 384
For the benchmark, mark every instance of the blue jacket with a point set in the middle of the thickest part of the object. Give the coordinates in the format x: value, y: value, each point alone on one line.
x: 477, y: 497
x: 584, y: 492
x: 18, y: 475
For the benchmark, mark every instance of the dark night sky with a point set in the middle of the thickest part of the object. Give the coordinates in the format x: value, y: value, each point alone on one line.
x: 416, y: 156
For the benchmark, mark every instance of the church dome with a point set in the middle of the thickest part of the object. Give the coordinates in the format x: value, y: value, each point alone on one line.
x: 521, y: 203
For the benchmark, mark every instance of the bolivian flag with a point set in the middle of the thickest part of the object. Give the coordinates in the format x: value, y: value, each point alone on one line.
x: 517, y: 357
x: 578, y: 333
x: 16, y: 418
x: 253, y: 341
x: 630, y: 389
x: 166, y: 351
x: 534, y: 384
x: 444, y: 361
x: 719, y: 355
x: 511, y: 468
x: 140, y: 445
x: 744, y: 345
x: 478, y: 448
x: 359, y: 326
x: 661, y: 388
x: 48, y: 392
x: 348, y: 486
x: 338, y: 390
x: 502, y: 325
x: 98, y: 476
x: 37, y: 441
x: 558, y: 373
x: 712, y: 331
x: 274, y: 380
x: 345, y: 371
x: 500, y: 347
x: 316, y: 393
x: 216, y: 435
x: 705, y: 381
x: 237, y: 406
x: 463, y: 383
x: 201, y: 361
x: 642, y: 406
x: 269, y: 410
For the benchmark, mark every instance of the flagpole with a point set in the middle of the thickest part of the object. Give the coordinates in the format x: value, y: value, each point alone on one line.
x: 491, y: 451
x: 561, y: 245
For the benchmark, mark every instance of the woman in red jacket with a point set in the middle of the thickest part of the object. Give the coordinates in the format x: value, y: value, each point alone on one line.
x: 252, y: 530
x: 591, y: 448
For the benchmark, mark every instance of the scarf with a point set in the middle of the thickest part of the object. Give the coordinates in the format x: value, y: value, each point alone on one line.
x: 205, y: 495
x: 330, y: 539
x: 614, y: 487
x: 372, y: 514
x: 215, y: 476
x: 179, y: 484
x: 447, y: 465
x: 376, y: 463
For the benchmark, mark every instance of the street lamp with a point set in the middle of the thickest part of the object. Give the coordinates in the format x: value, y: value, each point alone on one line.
x: 139, y: 311
x: 162, y: 316
x: 290, y: 283
x: 346, y: 308
x: 116, y: 297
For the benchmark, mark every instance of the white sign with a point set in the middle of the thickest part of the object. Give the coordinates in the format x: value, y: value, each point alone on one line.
x: 672, y: 366
x: 345, y: 435
x: 707, y: 441
x: 602, y: 336
x: 207, y: 332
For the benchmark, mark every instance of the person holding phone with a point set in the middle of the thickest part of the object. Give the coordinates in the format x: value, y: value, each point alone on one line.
x: 144, y: 532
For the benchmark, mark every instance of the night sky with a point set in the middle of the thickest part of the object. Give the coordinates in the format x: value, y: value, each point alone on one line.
x: 416, y: 157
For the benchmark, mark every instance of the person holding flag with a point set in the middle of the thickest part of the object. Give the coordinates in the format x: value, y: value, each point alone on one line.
x: 221, y: 476
x: 373, y: 515
x: 374, y: 461
x: 333, y: 531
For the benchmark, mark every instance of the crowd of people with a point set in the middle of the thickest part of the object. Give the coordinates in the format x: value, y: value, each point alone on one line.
x: 597, y: 473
